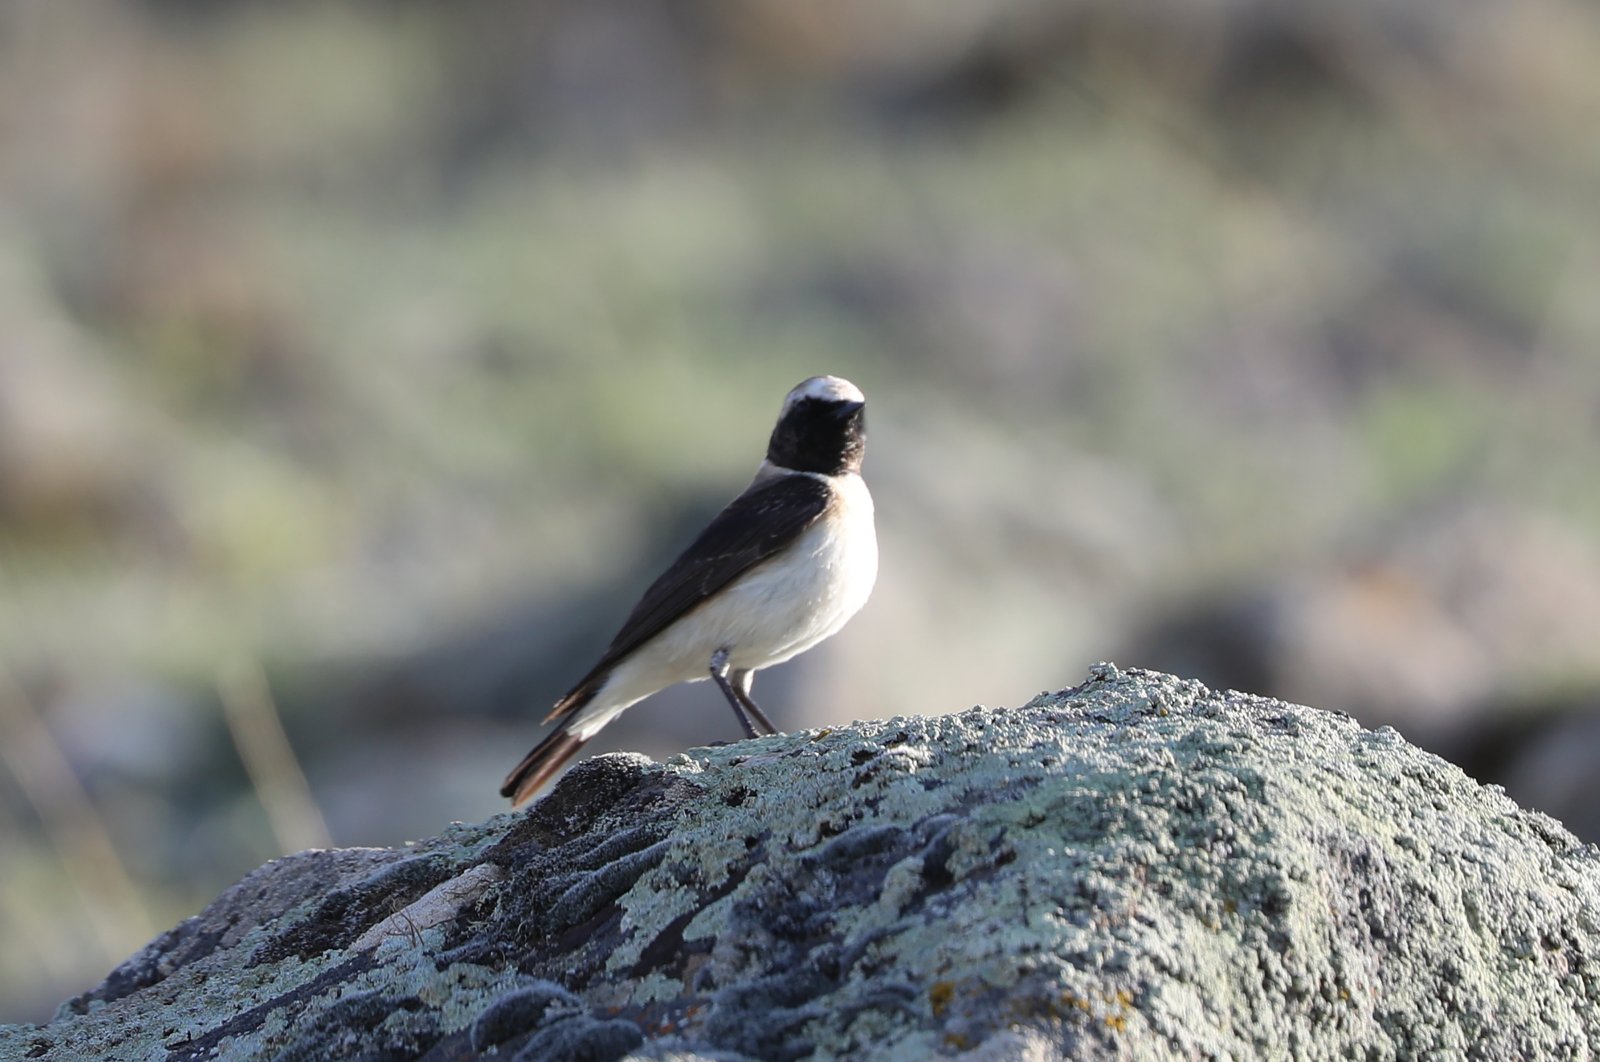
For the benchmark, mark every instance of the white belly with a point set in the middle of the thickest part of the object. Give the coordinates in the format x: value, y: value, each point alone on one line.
x: 780, y: 608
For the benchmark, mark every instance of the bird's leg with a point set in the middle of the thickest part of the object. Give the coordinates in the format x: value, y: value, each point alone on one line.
x: 742, y: 681
x: 719, y: 671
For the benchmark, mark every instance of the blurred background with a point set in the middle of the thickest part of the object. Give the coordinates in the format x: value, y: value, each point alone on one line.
x: 361, y: 363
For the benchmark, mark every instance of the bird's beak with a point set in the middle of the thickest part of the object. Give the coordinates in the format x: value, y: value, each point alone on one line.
x: 844, y: 410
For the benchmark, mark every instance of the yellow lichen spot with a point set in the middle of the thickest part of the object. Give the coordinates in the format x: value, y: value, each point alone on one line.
x: 940, y: 995
x: 1124, y: 997
x: 1070, y: 1000
x: 1117, y: 1022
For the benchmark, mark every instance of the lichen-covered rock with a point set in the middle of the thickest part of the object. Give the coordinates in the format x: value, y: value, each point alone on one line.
x: 1137, y: 867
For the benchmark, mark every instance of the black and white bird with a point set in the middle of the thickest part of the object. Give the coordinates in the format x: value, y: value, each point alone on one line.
x: 784, y: 566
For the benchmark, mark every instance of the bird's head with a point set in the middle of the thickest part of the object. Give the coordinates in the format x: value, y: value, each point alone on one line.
x: 822, y: 428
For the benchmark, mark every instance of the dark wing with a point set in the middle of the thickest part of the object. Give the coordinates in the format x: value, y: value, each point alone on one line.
x: 754, y: 526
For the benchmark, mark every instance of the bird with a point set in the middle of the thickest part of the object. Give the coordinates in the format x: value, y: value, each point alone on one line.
x: 782, y: 567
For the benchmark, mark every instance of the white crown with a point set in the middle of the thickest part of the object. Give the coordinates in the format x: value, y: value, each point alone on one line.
x: 827, y: 389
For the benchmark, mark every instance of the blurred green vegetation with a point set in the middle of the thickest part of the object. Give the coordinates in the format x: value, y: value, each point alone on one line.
x: 393, y: 345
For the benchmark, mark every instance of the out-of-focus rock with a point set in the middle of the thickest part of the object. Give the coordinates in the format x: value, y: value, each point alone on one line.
x: 1135, y: 867
x: 1551, y: 762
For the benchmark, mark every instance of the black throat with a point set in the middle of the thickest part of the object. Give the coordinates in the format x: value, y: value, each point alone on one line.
x: 818, y: 435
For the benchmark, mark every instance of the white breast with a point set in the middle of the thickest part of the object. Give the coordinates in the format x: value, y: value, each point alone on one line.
x: 778, y: 609
x: 794, y: 601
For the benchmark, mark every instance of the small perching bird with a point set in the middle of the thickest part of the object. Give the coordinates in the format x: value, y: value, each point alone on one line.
x: 784, y: 566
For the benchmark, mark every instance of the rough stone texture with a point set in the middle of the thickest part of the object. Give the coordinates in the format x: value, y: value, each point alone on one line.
x: 1137, y: 867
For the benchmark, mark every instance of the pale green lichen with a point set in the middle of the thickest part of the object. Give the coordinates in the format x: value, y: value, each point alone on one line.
x: 1188, y: 839
x: 1137, y: 867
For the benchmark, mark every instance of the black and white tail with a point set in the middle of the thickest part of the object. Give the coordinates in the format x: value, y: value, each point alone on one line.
x: 540, y: 765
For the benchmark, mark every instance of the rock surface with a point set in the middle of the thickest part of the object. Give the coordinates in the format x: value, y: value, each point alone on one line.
x: 1137, y: 867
